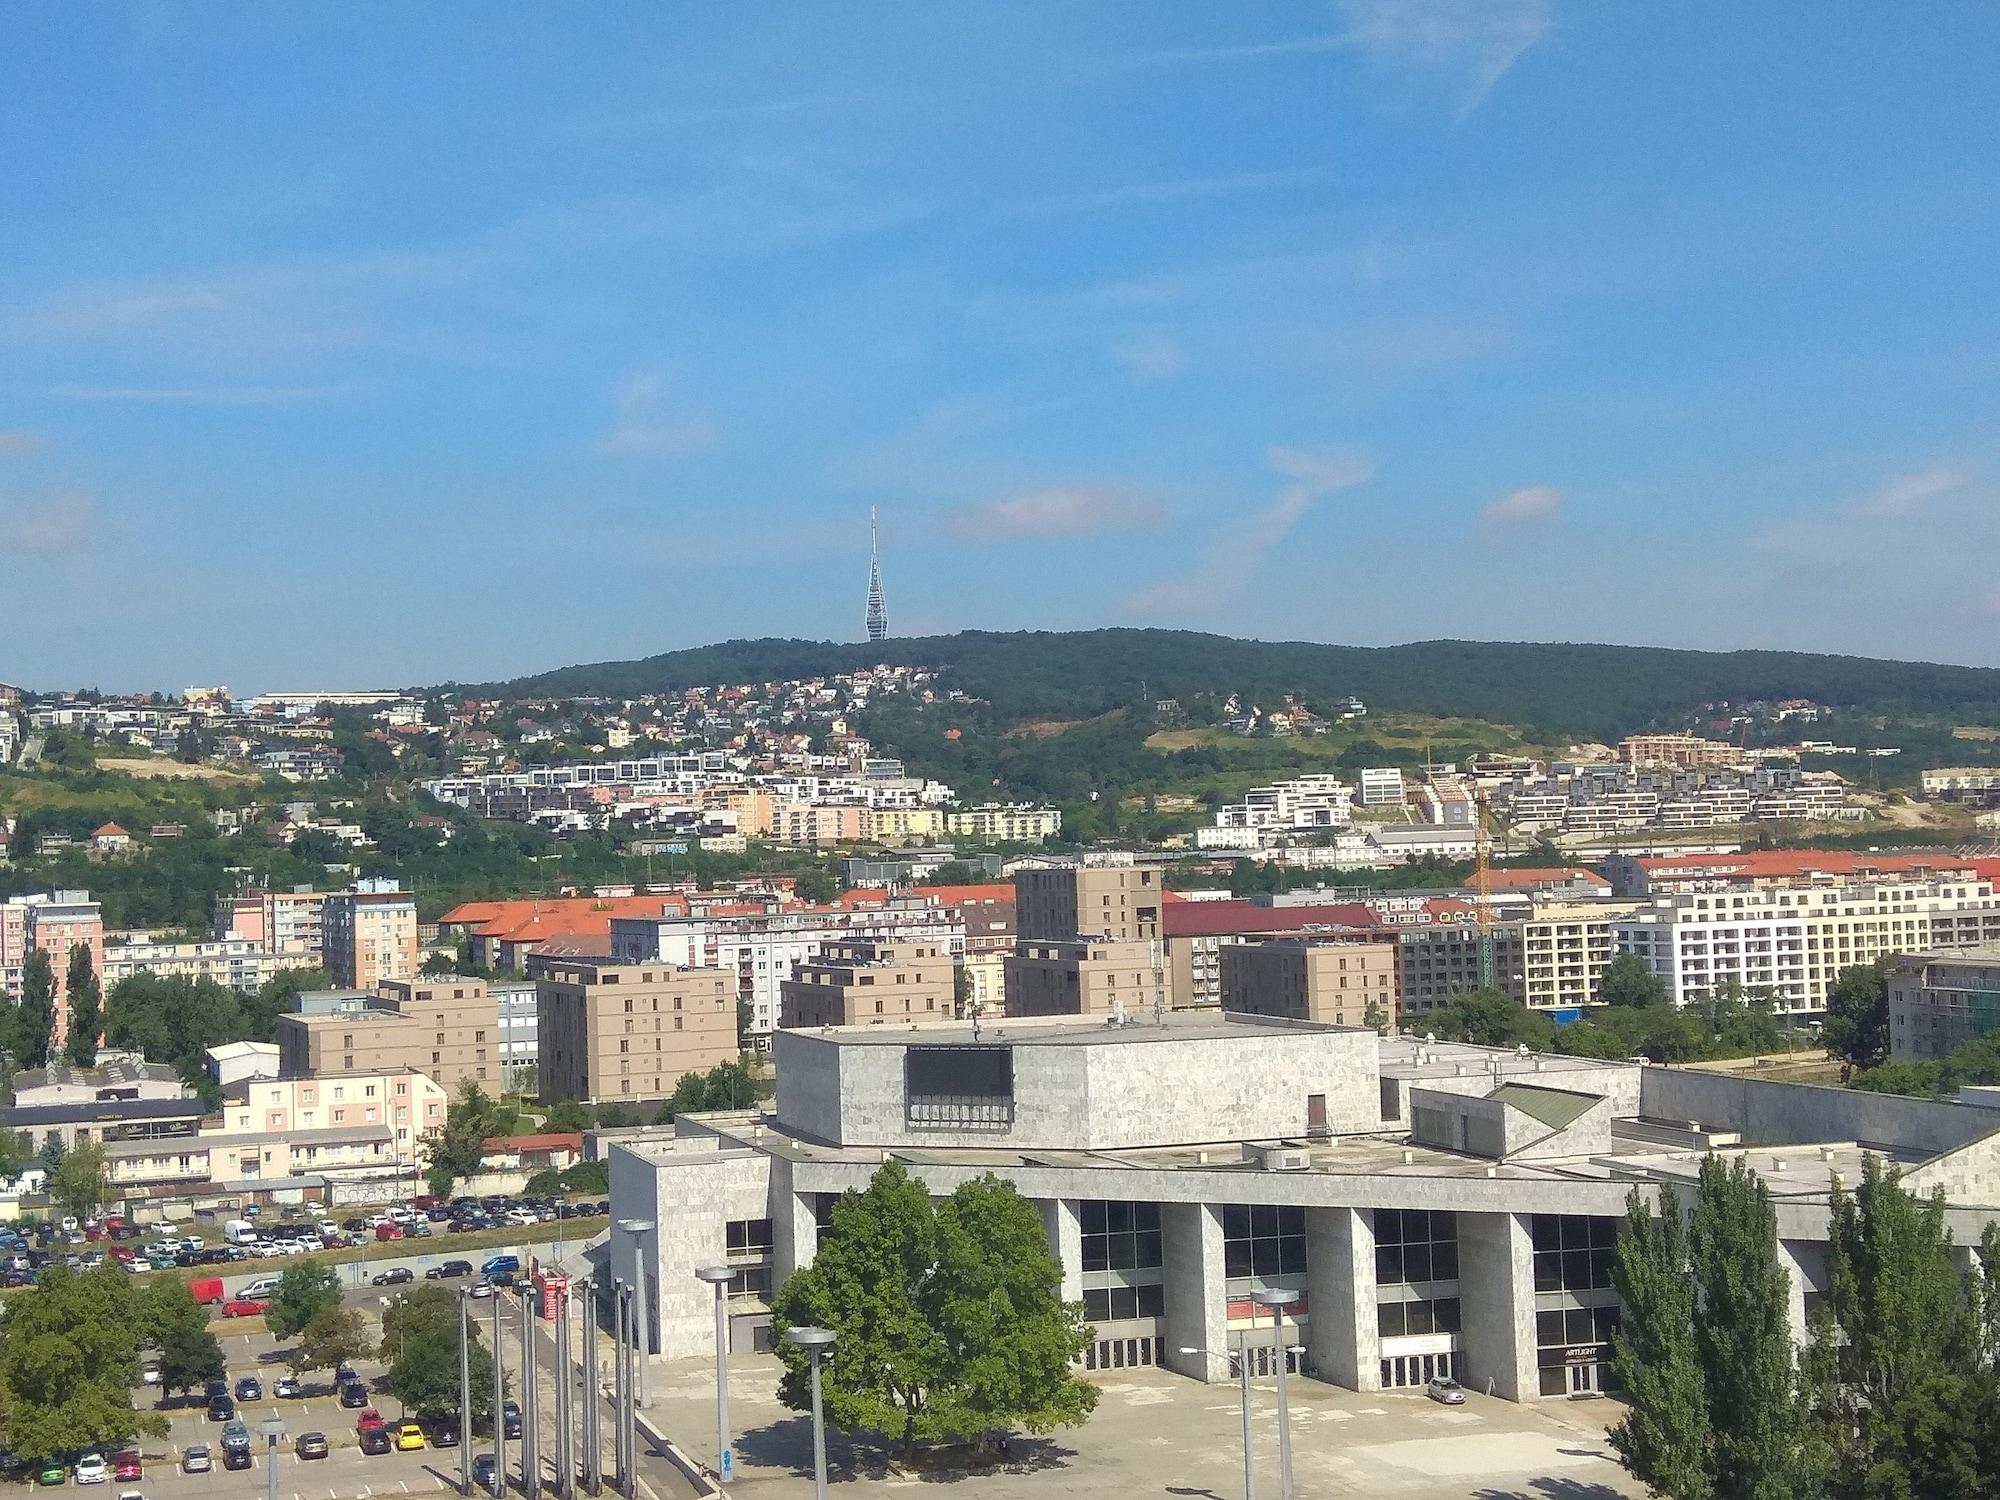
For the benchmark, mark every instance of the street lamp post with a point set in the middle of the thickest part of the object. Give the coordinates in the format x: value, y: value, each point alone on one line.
x: 464, y: 1395
x: 642, y: 1304
x: 815, y: 1341
x: 593, y: 1454
x: 719, y: 1277
x: 565, y: 1408
x: 499, y: 1418
x: 531, y: 1437
x: 1249, y: 1463
x: 1278, y: 1299
x: 273, y: 1428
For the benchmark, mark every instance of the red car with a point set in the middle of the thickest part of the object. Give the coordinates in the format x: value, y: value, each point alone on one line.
x: 244, y: 1307
x: 423, y: 1202
x: 387, y: 1231
x: 124, y: 1254
x: 369, y: 1418
x: 127, y: 1466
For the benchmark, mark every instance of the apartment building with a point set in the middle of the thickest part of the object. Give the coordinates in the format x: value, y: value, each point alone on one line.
x: 811, y: 823
x: 1089, y: 976
x: 1438, y: 962
x: 235, y: 963
x: 1564, y: 949
x: 1942, y: 999
x: 518, y: 1008
x: 868, y: 982
x: 627, y: 1032
x: 1676, y: 750
x: 52, y: 923
x: 1980, y: 784
x: 1792, y: 942
x: 447, y: 1028
x: 1332, y: 980
x: 904, y: 825
x: 1196, y: 932
x: 290, y: 923
x: 370, y: 935
x: 758, y: 950
x: 1063, y: 902
x: 404, y: 1103
x: 1664, y: 875
x: 1005, y: 823
x: 1381, y: 786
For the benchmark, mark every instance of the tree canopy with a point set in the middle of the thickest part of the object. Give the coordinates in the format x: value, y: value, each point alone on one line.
x: 84, y: 1001
x: 1857, y: 1014
x: 68, y: 1361
x: 950, y: 1320
x: 304, y: 1292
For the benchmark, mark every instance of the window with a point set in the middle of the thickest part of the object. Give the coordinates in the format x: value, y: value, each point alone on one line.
x: 1415, y: 1245
x: 1262, y: 1242
x: 1572, y: 1253
x: 1120, y: 1236
x: 1107, y: 1303
x: 749, y: 1237
x: 1395, y: 1319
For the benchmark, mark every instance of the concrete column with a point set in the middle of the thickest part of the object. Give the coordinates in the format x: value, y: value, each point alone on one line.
x: 794, y: 1233
x: 1343, y: 1341
x: 1496, y: 1278
x: 1197, y: 1299
x: 1064, y: 1226
x: 1795, y: 1276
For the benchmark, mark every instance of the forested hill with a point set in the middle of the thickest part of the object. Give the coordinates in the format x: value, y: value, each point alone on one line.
x: 1580, y: 689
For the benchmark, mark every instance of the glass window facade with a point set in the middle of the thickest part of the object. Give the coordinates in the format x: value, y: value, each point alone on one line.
x: 1576, y: 1307
x: 1414, y: 1244
x: 1393, y: 1320
x: 1105, y: 1304
x: 1119, y: 1236
x: 1572, y: 1253
x: 1263, y: 1243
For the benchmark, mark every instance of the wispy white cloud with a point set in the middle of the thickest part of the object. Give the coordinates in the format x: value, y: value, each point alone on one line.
x: 1524, y: 507
x: 1476, y: 41
x: 241, y: 395
x: 1061, y: 510
x: 1908, y: 494
x: 20, y: 443
x: 61, y: 524
x: 1150, y: 356
x: 1172, y: 190
x: 645, y: 426
x: 1231, y: 562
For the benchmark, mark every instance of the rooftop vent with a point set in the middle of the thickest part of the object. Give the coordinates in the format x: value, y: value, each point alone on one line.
x: 1282, y: 1158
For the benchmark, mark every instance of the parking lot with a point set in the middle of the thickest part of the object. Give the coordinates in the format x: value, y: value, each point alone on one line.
x: 1156, y: 1434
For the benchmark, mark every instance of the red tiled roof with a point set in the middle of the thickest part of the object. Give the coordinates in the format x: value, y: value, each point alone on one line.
x: 1522, y: 880
x: 958, y: 895
x: 1217, y: 918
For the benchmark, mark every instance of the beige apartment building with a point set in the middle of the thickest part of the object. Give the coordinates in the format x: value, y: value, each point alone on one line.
x: 1073, y: 901
x: 869, y: 982
x: 1330, y: 980
x: 1684, y: 750
x: 1085, y: 977
x: 447, y: 1028
x: 904, y: 825
x: 629, y: 1031
x: 290, y: 923
x: 370, y: 934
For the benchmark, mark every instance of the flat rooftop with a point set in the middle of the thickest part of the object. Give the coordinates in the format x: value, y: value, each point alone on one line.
x: 1066, y: 1031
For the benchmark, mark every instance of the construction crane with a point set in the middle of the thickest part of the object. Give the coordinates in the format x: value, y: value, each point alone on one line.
x: 1482, y: 889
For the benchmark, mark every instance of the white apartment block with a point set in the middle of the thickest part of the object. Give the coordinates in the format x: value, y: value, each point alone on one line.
x: 1005, y: 823
x: 1302, y: 805
x: 234, y: 963
x: 1792, y: 942
x: 1967, y: 783
x: 1381, y: 786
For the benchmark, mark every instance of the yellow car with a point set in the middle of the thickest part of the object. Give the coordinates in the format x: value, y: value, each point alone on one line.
x: 409, y: 1436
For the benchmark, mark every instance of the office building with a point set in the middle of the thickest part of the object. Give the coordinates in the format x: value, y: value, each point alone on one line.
x: 1440, y: 1209
x: 628, y: 1032
x: 1381, y: 786
x: 446, y: 1028
x: 370, y: 935
x: 1941, y: 1000
x: 868, y: 982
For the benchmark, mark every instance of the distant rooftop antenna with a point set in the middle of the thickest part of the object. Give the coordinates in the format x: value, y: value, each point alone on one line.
x: 878, y: 613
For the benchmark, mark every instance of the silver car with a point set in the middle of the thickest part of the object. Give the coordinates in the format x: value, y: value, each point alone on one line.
x: 1445, y: 1390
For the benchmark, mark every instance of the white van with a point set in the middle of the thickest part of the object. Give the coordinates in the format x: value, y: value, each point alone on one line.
x: 240, y: 1232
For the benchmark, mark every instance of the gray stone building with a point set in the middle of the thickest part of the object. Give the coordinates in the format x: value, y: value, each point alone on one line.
x: 1939, y: 1000
x: 1438, y: 1209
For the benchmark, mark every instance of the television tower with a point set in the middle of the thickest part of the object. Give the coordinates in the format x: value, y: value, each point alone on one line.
x: 878, y: 616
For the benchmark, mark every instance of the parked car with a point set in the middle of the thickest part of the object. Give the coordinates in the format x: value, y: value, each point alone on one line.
x: 346, y: 1374
x: 388, y: 1231
x: 92, y: 1469
x: 245, y: 1307
x: 444, y: 1433
x: 395, y: 1276
x: 311, y: 1445
x: 126, y: 1467
x: 52, y: 1473
x: 1444, y: 1389
x: 500, y: 1263
x: 510, y: 1418
x: 376, y: 1440
x: 249, y: 1388
x: 218, y: 1387
x: 149, y: 1372
x: 287, y: 1386
x: 369, y: 1418
x: 353, y: 1394
x: 479, y: 1289
x: 409, y: 1437
x: 448, y: 1269
x: 221, y: 1409
x: 196, y: 1459
x: 482, y: 1472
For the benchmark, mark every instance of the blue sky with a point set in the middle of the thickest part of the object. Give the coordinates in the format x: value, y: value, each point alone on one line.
x: 353, y: 344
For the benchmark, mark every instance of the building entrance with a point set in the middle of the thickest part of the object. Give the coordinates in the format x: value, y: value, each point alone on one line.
x: 1583, y: 1380
x: 1406, y: 1371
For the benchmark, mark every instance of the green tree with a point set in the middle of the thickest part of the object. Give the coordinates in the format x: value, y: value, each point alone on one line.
x: 459, y: 1149
x: 85, y: 1001
x: 332, y: 1337
x: 1857, y: 1014
x: 950, y: 1320
x: 1910, y: 1386
x: 189, y: 1357
x: 817, y: 885
x: 1901, y: 1075
x: 68, y: 1360
x: 420, y: 1331
x: 78, y: 1181
x: 1629, y: 980
x: 35, y: 1020
x: 14, y: 1154
x: 567, y: 1115
x: 1718, y: 1404
x: 304, y: 1292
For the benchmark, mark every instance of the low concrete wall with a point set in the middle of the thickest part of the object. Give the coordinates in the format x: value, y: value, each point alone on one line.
x: 1767, y: 1113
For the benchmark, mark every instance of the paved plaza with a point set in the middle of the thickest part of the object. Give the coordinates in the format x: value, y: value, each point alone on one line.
x: 1157, y: 1434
